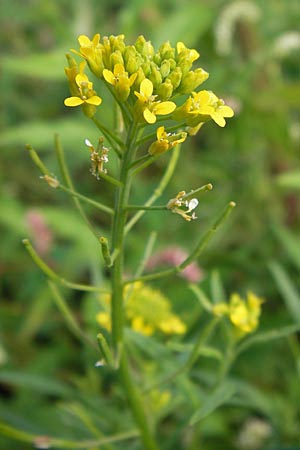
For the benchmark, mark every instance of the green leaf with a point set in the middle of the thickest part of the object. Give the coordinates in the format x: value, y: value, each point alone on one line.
x: 35, y: 382
x: 267, y: 336
x: 220, y: 396
x: 287, y: 289
x: 290, y: 243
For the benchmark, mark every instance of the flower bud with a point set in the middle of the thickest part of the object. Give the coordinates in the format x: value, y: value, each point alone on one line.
x: 155, y: 76
x: 132, y: 59
x: 144, y: 47
x: 116, y: 58
x: 117, y: 43
x: 166, y: 51
x: 146, y: 68
x: 165, y: 68
x: 175, y: 77
x: 139, y: 78
x: 192, y: 80
x: 165, y: 90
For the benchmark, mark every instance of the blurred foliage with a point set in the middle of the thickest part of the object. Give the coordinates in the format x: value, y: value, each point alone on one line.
x: 48, y: 384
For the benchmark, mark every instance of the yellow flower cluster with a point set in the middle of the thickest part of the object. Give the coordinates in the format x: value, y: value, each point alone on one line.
x: 147, y: 311
x: 243, y: 314
x: 146, y: 79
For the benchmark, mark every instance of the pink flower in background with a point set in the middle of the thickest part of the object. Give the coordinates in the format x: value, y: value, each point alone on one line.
x: 40, y: 233
x: 173, y: 256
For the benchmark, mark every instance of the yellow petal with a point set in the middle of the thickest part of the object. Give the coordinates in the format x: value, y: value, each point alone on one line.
x: 132, y: 79
x: 95, y: 100
x: 160, y: 132
x: 109, y: 76
x: 81, y: 78
x: 149, y: 116
x: 165, y: 108
x: 218, y: 119
x: 84, y: 41
x: 96, y: 39
x: 119, y: 69
x: 73, y: 101
x: 146, y: 88
x: 225, y: 111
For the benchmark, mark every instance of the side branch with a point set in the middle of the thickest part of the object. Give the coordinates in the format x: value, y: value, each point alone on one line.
x: 195, y: 254
x: 54, y: 276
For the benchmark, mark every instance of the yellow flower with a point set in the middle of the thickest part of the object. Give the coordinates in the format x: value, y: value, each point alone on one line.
x: 201, y: 107
x: 91, y: 51
x: 147, y: 310
x: 120, y: 80
x: 187, y: 53
x: 86, y: 94
x: 147, y: 107
x: 245, y: 314
x: 165, y: 141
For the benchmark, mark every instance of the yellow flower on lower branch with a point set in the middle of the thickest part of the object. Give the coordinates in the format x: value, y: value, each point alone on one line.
x: 243, y: 314
x: 147, y: 311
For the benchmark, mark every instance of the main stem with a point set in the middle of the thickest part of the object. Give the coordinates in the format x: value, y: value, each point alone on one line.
x: 117, y: 313
x: 120, y: 215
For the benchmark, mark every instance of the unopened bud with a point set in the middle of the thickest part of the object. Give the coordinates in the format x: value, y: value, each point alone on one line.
x: 116, y: 58
x: 165, y: 90
x: 166, y: 51
x: 155, y: 76
x: 175, y: 77
x: 165, y: 68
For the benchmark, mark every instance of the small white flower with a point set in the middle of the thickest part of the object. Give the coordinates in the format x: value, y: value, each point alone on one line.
x: 88, y: 143
x: 192, y: 204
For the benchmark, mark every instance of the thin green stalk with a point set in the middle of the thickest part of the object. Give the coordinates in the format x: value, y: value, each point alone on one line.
x: 122, y: 195
x: 53, y: 275
x: 146, y: 208
x: 111, y: 137
x: 87, y: 200
x: 68, y: 316
x: 192, y: 358
x: 136, y: 405
x: 52, y: 442
x: 117, y: 319
x: 193, y: 255
x: 147, y: 163
x: 159, y: 190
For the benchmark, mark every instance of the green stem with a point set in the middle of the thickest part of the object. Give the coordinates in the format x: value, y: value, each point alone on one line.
x: 146, y: 208
x: 159, y: 190
x: 112, y: 138
x: 53, y: 275
x: 87, y: 200
x: 23, y: 436
x: 122, y: 195
x: 193, y: 255
x: 68, y: 316
x: 135, y: 402
x: 117, y: 300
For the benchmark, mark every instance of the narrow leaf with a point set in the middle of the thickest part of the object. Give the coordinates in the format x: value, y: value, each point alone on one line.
x: 220, y: 396
x: 287, y: 289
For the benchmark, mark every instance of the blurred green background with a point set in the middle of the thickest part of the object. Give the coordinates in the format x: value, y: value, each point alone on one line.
x: 252, y: 51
